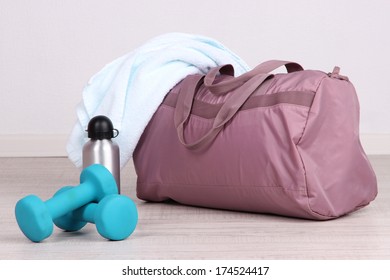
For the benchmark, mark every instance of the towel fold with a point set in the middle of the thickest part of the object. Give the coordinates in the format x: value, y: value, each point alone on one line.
x: 130, y: 89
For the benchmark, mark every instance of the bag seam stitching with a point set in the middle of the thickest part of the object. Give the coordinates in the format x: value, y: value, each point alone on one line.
x: 303, y: 162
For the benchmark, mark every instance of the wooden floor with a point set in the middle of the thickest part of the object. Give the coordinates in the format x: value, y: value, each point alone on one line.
x: 172, y: 231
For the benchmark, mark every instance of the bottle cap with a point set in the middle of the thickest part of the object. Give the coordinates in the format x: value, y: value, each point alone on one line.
x: 101, y: 127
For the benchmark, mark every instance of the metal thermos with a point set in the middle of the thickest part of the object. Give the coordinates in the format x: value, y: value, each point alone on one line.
x: 100, y: 148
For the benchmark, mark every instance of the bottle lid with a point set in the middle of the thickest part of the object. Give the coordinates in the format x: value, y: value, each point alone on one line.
x: 101, y: 127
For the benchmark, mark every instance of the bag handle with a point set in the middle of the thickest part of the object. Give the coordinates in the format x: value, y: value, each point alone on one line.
x: 185, y: 100
x: 230, y: 84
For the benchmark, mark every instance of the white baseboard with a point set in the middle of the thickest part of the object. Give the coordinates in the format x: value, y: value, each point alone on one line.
x: 376, y: 144
x: 54, y: 145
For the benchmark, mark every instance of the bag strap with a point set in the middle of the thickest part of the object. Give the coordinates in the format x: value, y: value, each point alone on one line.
x: 188, y: 89
x: 249, y: 81
x: 230, y: 84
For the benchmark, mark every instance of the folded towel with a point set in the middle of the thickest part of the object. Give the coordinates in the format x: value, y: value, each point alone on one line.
x: 130, y: 89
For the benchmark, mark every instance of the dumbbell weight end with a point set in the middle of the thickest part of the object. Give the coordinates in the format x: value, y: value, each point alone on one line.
x: 33, y: 218
x: 116, y: 217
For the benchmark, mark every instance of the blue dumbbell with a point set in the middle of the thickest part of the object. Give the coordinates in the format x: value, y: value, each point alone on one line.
x: 115, y: 216
x: 35, y: 217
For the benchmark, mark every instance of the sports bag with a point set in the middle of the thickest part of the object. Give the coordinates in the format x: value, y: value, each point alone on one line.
x: 286, y: 144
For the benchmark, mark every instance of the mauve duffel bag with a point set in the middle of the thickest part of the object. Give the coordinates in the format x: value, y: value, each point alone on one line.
x: 285, y: 144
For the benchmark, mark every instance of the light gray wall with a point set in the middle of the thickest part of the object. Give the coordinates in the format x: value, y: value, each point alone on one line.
x: 49, y: 49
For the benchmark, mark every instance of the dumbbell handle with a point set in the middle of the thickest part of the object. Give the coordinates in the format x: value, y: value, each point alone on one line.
x: 71, y: 199
x: 86, y: 213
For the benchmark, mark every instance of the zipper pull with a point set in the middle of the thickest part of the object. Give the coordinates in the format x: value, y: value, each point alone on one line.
x: 336, y: 74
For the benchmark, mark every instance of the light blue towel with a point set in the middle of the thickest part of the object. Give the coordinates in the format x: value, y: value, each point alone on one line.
x: 130, y: 89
